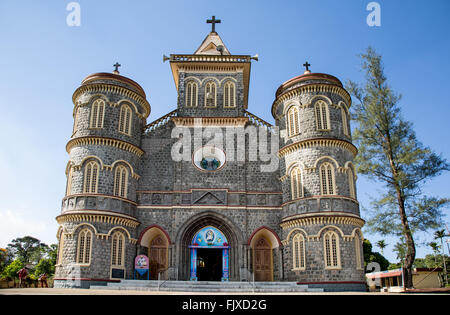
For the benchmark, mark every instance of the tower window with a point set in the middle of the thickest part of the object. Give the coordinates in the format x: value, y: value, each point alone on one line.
x: 121, y: 181
x: 327, y: 179
x: 84, y: 247
x: 296, y: 183
x: 91, y: 177
x: 344, y: 122
x: 229, y: 95
x: 351, y: 182
x: 97, y: 114
x: 125, y: 120
x: 292, y: 121
x: 358, y: 252
x: 322, y: 116
x: 210, y: 94
x: 331, y: 249
x: 69, y: 181
x: 191, y: 94
x: 298, y: 252
x: 118, y: 249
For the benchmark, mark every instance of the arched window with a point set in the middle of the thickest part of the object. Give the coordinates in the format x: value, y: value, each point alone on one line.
x: 84, y: 247
x: 229, y: 95
x: 118, y: 249
x: 75, y: 120
x: 121, y: 181
x: 97, y: 114
x: 125, y: 119
x: 292, y: 121
x: 210, y: 94
x: 331, y: 250
x: 359, y: 264
x: 298, y: 252
x: 351, y: 182
x: 296, y: 183
x: 344, y: 121
x: 91, y: 171
x: 322, y: 116
x: 69, y: 181
x: 327, y: 179
x: 60, y: 248
x: 191, y: 94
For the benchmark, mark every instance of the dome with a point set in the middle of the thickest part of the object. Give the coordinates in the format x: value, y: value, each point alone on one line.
x: 305, y: 79
x: 112, y: 78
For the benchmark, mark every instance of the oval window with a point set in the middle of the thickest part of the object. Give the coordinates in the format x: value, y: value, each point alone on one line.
x: 209, y: 158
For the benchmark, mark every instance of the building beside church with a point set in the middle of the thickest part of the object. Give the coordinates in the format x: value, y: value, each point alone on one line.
x: 217, y: 209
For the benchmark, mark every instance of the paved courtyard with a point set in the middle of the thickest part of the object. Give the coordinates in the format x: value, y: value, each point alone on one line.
x: 34, y: 291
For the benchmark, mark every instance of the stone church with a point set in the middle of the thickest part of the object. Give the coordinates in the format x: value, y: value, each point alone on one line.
x: 211, y: 192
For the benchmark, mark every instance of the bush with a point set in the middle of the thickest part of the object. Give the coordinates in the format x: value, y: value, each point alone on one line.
x: 12, y: 269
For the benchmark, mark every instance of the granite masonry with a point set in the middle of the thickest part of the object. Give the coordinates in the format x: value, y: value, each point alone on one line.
x: 152, y: 189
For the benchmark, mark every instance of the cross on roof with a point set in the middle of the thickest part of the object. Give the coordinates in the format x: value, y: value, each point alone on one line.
x: 306, y: 65
x: 213, y: 22
x: 117, y: 65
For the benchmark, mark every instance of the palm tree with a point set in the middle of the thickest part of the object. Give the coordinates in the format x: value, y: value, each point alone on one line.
x: 440, y: 234
x: 435, y: 247
x: 382, y: 245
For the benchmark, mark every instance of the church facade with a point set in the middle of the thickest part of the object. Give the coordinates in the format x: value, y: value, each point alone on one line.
x: 211, y: 192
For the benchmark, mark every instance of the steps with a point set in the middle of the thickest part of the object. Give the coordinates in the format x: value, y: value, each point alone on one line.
x: 206, y: 286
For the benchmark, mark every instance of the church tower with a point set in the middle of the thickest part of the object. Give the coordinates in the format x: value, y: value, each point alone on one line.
x: 98, y: 221
x: 320, y: 223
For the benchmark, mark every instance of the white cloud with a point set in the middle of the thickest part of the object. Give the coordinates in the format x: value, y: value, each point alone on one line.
x: 14, y: 224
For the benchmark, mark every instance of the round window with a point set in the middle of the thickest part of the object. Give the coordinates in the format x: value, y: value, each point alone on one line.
x: 209, y: 158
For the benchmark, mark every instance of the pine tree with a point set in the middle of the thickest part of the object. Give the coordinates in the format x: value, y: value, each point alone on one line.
x: 390, y: 153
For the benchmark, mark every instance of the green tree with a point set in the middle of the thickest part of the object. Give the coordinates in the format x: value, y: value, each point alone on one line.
x: 52, y: 253
x: 28, y: 249
x: 370, y: 256
x: 390, y: 153
x: 435, y: 247
x: 381, y: 245
x: 13, y: 268
x: 3, y: 259
x: 440, y: 234
x: 45, y: 265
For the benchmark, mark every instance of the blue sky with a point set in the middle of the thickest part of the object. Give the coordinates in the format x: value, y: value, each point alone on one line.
x: 43, y: 60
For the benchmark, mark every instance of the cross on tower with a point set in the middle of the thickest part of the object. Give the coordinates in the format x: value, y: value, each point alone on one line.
x: 306, y: 65
x: 117, y: 65
x: 213, y: 22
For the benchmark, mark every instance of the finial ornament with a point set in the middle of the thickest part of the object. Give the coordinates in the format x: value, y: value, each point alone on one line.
x: 116, y: 70
x: 213, y: 22
x: 307, y: 65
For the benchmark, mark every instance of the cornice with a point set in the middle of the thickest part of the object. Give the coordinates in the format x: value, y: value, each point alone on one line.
x: 110, y: 88
x: 321, y: 219
x: 93, y: 140
x: 322, y: 142
x: 99, y: 217
x: 209, y: 121
x: 311, y: 88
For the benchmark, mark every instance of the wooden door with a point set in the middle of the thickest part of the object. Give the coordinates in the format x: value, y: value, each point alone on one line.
x: 157, y: 256
x: 262, y: 261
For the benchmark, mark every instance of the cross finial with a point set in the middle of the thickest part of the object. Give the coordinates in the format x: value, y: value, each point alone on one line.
x: 116, y: 70
x: 213, y: 22
x: 306, y: 65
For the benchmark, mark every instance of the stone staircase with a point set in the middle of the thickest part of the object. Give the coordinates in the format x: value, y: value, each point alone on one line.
x: 207, y: 286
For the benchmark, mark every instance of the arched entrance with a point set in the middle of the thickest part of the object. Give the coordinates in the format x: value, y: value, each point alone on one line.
x: 157, y: 254
x: 262, y: 260
x: 263, y: 242
x: 157, y: 241
x: 209, y: 255
x: 191, y: 227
